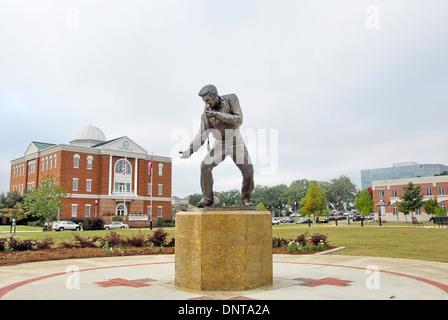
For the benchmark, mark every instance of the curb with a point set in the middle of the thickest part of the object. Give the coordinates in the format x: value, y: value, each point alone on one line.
x: 329, y: 251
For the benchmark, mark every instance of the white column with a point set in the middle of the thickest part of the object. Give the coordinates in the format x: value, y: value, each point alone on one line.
x: 136, y: 176
x: 110, y: 174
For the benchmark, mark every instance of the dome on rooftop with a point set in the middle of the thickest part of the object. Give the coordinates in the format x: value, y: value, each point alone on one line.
x: 88, y: 136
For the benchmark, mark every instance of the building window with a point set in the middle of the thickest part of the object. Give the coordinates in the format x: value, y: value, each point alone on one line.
x: 394, y: 193
x: 441, y: 190
x: 75, y: 184
x: 381, y: 193
x: 88, y: 185
x: 149, y: 208
x: 443, y: 206
x: 120, y: 167
x: 159, y: 213
x: 55, y: 160
x: 429, y: 191
x: 74, y: 210
x: 160, y: 169
x: 89, y: 162
x: 87, y: 210
x: 76, y: 161
x: 51, y: 162
x: 149, y: 188
x: 122, y: 187
x: 160, y: 189
x: 123, y: 176
x: 43, y: 164
x: 395, y: 209
x: 46, y: 163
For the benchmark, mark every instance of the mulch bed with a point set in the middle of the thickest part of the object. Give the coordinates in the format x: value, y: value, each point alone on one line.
x: 17, y: 257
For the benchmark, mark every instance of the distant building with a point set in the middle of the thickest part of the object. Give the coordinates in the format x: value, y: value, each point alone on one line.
x: 105, y: 178
x: 390, y: 192
x: 400, y: 170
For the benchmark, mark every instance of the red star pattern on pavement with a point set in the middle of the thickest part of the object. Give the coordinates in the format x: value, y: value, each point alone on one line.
x: 325, y: 281
x: 124, y: 282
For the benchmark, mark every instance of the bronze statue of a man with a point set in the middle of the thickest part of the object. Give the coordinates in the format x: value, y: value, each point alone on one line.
x: 222, y: 118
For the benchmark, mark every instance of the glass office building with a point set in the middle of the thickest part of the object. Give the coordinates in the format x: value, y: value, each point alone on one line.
x: 400, y: 171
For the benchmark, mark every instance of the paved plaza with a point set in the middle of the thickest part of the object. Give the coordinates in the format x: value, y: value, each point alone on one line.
x: 296, y: 277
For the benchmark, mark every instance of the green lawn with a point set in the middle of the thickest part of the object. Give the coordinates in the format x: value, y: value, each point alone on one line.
x: 395, y: 240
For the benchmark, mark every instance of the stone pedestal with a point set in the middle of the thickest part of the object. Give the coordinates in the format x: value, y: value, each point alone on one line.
x: 223, y: 249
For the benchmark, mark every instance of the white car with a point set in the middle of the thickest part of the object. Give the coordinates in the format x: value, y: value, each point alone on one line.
x: 275, y: 221
x: 116, y: 225
x: 66, y: 225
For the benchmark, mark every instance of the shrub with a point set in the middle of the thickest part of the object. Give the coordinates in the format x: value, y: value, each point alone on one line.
x: 96, y: 223
x: 113, y: 239
x: 136, y: 241
x: 279, y: 242
x: 302, y: 238
x: 317, y: 238
x: 66, y: 245
x: 4, y: 245
x: 172, y: 243
x: 158, y: 238
x: 46, y: 243
x: 85, y: 242
x: 20, y: 245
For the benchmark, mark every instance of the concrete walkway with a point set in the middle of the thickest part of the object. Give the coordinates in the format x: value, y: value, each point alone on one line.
x: 308, y: 277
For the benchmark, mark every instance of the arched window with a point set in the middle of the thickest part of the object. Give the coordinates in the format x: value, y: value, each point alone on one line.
x: 160, y: 169
x: 120, y: 167
x: 122, y: 177
x: 76, y: 158
x: 89, y: 162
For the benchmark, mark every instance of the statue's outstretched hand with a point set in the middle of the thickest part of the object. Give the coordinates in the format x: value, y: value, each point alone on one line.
x: 185, y: 154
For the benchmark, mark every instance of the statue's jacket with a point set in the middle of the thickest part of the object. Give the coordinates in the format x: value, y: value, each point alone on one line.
x: 224, y: 127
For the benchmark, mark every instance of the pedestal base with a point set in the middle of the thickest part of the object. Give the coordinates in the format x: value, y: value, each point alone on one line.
x: 223, y: 250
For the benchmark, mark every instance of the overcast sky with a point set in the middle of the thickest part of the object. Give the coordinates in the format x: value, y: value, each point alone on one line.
x: 327, y: 87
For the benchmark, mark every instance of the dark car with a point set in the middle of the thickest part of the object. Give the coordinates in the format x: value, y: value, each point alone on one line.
x: 305, y: 220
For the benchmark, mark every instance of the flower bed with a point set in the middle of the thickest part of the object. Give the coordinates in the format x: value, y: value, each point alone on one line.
x: 301, y: 245
x: 15, y: 251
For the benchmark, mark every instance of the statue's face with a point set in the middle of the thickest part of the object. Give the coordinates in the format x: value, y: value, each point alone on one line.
x: 211, y: 99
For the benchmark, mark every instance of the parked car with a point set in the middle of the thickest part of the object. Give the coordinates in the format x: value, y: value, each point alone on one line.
x: 116, y: 225
x: 287, y: 220
x: 305, y: 220
x: 322, y: 220
x: 66, y: 225
x: 275, y: 221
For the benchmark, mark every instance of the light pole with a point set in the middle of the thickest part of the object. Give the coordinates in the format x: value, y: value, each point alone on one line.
x: 382, y: 205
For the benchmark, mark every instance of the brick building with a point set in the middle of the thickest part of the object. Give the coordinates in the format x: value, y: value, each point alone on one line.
x: 390, y: 192
x: 105, y: 178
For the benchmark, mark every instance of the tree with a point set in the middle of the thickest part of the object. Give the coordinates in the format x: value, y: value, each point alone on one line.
x: 273, y: 198
x: 364, y: 203
x: 229, y: 198
x: 341, y: 193
x: 45, y: 201
x: 296, y: 192
x: 10, y: 205
x: 194, y: 199
x: 402, y: 208
x: 315, y: 201
x: 430, y: 206
x: 412, y: 198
